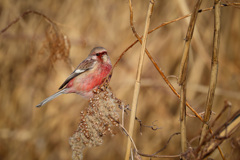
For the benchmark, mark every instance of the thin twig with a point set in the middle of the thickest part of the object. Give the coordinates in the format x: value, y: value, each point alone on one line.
x: 23, y: 15
x: 159, y: 156
x: 129, y: 137
x: 139, y: 71
x: 234, y: 4
x: 151, y: 155
x: 227, y: 104
x: 164, y: 147
x: 153, y: 127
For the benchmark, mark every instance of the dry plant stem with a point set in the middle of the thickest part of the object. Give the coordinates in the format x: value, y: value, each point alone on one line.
x: 214, y: 69
x: 154, y: 62
x: 139, y: 71
x: 183, y: 118
x: 184, y: 61
x: 214, y: 72
x: 183, y: 76
x: 157, y: 67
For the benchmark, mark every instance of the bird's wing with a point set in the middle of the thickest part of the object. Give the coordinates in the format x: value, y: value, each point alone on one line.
x: 81, y: 68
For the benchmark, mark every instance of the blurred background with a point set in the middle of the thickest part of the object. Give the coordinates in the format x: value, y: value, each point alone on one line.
x: 28, y: 75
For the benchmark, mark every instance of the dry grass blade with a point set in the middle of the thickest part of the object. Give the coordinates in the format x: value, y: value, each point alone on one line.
x: 139, y: 71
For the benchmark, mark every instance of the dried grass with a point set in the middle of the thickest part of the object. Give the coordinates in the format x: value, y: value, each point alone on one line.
x: 32, y: 66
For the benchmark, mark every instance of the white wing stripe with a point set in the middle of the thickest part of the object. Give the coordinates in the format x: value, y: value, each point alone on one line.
x: 80, y: 70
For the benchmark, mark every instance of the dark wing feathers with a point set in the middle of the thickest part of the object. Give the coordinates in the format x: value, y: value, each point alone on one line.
x: 69, y: 78
x: 81, y: 68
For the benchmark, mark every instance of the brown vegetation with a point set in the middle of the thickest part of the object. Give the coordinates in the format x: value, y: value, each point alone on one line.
x: 39, y: 50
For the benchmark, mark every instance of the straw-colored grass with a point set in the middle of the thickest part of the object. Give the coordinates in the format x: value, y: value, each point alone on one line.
x: 30, y: 73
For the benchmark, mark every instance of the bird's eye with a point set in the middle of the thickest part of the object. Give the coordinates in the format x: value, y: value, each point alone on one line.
x: 97, y: 54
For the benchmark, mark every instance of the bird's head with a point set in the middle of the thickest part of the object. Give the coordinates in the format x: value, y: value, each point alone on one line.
x: 100, y: 54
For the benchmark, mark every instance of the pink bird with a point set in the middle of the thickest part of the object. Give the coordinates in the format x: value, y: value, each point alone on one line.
x: 88, y: 75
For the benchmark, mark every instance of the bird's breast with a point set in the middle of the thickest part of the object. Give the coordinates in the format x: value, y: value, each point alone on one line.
x: 84, y: 83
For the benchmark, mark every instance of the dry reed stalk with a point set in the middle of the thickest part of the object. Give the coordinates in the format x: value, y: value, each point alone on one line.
x: 154, y: 62
x: 161, y: 72
x: 184, y: 61
x: 214, y: 68
x: 139, y: 71
x: 183, y: 75
x: 199, y: 64
x: 183, y: 118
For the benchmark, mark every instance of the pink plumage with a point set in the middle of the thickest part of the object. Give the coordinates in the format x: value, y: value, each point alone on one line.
x: 87, y: 76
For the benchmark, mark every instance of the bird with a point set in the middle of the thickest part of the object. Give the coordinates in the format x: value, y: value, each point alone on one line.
x: 88, y: 75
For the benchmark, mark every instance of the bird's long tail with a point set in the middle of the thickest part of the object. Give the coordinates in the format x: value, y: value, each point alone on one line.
x: 51, y: 97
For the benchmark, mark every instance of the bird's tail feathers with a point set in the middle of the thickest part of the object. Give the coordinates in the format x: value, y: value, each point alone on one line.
x: 51, y: 97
